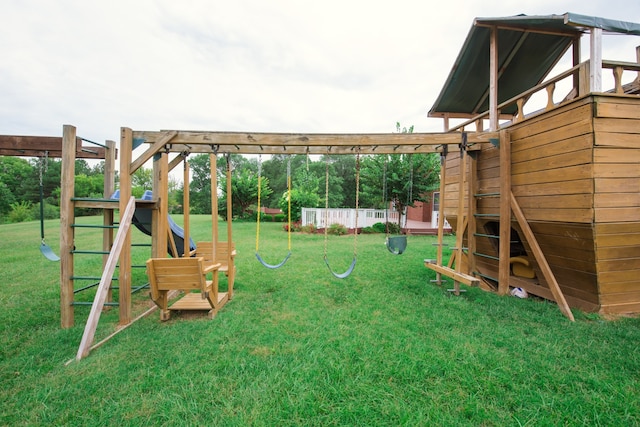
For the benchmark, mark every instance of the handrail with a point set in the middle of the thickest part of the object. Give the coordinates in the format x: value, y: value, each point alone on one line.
x: 550, y: 85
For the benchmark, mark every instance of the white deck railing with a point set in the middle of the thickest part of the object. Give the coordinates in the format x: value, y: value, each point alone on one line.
x: 321, y: 217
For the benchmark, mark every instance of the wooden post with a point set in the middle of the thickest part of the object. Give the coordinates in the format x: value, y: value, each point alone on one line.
x: 493, y: 80
x: 213, y: 159
x: 595, y: 50
x: 460, y: 226
x: 185, y: 209
x: 471, y: 211
x: 554, y: 287
x: 124, y: 277
x: 441, y: 216
x: 67, y: 218
x: 229, y: 230
x: 108, y: 214
x: 505, y: 214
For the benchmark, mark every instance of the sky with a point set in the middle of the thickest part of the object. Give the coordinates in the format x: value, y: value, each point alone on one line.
x: 345, y: 66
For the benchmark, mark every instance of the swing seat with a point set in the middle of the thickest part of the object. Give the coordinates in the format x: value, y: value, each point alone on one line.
x: 223, y: 258
x: 189, y: 275
x: 48, y: 253
x: 272, y: 266
x: 396, y: 244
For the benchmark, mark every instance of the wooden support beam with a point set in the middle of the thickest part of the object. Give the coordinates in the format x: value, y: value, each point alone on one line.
x: 471, y: 210
x: 441, y: 216
x: 461, y: 211
x: 105, y: 281
x: 37, y: 146
x: 67, y: 218
x: 504, y: 256
x: 163, y: 139
x: 124, y: 271
x: 554, y: 287
x: 289, y: 143
x: 493, y: 80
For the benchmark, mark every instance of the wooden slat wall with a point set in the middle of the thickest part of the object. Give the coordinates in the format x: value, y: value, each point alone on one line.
x: 616, y: 162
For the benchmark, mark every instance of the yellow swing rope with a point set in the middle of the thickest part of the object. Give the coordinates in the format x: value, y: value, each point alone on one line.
x: 260, y: 214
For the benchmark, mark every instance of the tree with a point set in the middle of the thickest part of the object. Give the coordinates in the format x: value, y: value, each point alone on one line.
x: 200, y: 185
x: 244, y: 191
x: 408, y: 178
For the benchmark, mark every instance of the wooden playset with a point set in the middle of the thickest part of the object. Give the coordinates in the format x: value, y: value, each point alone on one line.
x: 545, y: 198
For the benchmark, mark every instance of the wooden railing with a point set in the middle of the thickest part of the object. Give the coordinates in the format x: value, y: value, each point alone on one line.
x: 579, y: 87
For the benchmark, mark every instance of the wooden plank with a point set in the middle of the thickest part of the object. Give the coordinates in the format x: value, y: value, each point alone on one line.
x: 579, y: 186
x: 571, y: 120
x: 452, y: 274
x: 124, y: 271
x: 565, y: 174
x: 526, y: 152
x: 505, y: 214
x: 105, y: 281
x: 616, y: 125
x: 617, y: 110
x: 623, y: 239
x: 631, y: 214
x: 617, y: 139
x: 616, y: 155
x: 560, y: 161
x: 610, y: 288
x: 618, y: 252
x: 616, y: 200
x: 616, y: 185
x: 540, y: 259
x: 617, y: 170
x: 617, y: 228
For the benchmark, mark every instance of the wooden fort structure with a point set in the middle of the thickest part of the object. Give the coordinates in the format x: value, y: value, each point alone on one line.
x: 552, y: 205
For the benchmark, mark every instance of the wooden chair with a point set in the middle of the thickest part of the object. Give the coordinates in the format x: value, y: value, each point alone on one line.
x: 223, y: 257
x: 185, y: 274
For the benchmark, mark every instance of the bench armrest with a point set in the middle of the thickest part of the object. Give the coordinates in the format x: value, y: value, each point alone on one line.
x: 212, y: 267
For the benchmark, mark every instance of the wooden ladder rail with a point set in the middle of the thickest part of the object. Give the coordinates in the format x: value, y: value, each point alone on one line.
x: 105, y: 281
x: 454, y: 273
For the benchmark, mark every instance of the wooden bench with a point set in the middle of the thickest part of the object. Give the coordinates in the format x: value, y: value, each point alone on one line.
x: 223, y: 257
x: 188, y: 275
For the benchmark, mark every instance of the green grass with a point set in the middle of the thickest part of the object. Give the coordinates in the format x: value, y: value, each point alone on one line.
x: 298, y: 347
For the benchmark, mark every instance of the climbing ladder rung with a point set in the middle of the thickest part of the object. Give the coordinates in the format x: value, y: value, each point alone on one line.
x: 91, y: 252
x: 486, y: 256
x: 491, y: 236
x: 484, y: 276
x: 486, y: 195
x: 486, y: 215
x: 93, y: 226
x: 91, y: 303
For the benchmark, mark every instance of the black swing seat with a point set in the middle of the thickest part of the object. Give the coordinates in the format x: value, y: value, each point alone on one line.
x: 396, y: 244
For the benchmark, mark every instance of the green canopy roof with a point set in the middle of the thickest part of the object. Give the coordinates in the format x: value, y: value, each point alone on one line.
x: 528, y: 48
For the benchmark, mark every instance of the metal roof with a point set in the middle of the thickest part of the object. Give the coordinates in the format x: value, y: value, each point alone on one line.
x: 528, y: 48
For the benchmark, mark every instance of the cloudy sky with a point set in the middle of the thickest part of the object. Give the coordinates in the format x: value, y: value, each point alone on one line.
x: 243, y: 65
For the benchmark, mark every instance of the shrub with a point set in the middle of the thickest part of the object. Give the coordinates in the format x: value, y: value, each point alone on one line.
x: 295, y: 226
x: 337, y: 229
x: 280, y: 218
x: 380, y: 227
x: 309, y: 228
x: 20, y: 211
x: 368, y: 230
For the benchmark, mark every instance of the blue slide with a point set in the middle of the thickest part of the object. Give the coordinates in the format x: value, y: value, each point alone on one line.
x: 142, y: 221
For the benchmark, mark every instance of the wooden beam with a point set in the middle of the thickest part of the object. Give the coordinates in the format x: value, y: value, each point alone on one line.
x: 461, y: 212
x: 37, y: 146
x: 505, y: 214
x: 453, y: 274
x: 67, y: 218
x: 289, y: 143
x: 554, y: 287
x: 105, y: 281
x: 163, y: 139
x: 124, y: 278
x: 595, y: 61
x: 493, y: 80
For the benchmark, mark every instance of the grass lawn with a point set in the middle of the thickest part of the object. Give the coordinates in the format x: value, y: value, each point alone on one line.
x: 296, y: 346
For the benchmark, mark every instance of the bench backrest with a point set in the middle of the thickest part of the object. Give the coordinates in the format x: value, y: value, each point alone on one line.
x: 176, y: 273
x: 204, y: 250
